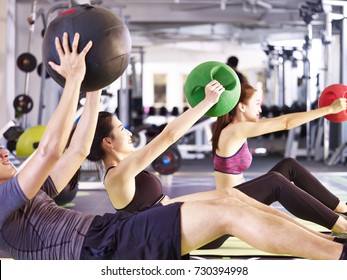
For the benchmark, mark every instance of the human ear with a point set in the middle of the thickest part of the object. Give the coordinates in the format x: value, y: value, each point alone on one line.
x: 242, y: 107
x: 107, y: 141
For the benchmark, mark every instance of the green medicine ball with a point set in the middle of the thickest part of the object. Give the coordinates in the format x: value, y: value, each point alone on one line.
x: 204, y: 73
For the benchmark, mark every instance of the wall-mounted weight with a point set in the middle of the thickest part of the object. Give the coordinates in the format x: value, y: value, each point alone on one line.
x: 26, y: 62
x: 23, y: 104
x: 168, y: 162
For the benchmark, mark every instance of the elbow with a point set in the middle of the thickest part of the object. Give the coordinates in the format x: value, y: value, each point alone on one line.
x: 170, y: 136
x: 287, y: 126
x: 84, y: 152
x: 51, y: 151
x: 80, y: 152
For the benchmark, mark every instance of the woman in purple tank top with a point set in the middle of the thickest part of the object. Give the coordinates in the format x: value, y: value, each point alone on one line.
x: 288, y: 182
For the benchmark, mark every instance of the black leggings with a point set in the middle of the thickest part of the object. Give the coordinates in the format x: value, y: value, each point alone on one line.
x: 292, y: 185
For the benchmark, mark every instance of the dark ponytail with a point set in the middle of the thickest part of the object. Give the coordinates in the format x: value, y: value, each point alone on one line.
x: 220, y: 124
x: 103, y: 129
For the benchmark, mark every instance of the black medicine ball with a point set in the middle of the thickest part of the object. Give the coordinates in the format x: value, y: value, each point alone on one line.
x: 110, y: 54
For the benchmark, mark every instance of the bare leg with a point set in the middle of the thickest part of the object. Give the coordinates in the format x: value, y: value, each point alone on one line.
x: 225, y: 192
x: 341, y: 208
x: 204, y: 221
x: 340, y: 225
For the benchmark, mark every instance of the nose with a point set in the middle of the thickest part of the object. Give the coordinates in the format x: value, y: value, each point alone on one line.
x: 3, y: 153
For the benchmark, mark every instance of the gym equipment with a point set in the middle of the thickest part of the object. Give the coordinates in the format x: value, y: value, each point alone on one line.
x: 168, y: 162
x: 328, y: 95
x: 39, y: 71
x: 66, y: 195
x: 11, y: 135
x: 4, y: 129
x: 110, y: 54
x: 175, y: 112
x: 204, y: 73
x: 196, y: 144
x: 276, y: 112
x: 26, y: 62
x: 23, y: 104
x: 13, y: 132
x: 11, y: 145
x: 139, y: 137
x: 29, y: 140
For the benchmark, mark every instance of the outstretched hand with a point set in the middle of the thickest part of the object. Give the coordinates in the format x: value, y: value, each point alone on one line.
x: 339, y: 104
x: 213, y: 91
x: 72, y: 63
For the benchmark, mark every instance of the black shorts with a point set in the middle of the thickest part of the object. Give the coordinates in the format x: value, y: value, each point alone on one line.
x: 154, y: 234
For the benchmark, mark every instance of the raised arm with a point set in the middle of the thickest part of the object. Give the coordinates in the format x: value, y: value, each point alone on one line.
x: 285, y: 122
x: 80, y: 143
x: 175, y: 129
x: 53, y: 142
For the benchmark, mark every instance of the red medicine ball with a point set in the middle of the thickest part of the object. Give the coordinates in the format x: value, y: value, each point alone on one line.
x: 327, y: 97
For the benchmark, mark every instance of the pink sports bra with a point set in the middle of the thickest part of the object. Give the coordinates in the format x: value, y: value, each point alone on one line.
x: 235, y: 164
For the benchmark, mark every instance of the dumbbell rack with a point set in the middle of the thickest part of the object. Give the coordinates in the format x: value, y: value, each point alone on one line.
x: 5, y: 128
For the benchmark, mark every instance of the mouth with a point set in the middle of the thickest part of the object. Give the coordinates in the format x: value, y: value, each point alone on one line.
x: 6, y: 162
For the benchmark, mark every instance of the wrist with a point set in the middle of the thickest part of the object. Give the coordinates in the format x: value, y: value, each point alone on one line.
x: 209, y: 102
x: 73, y: 82
x: 329, y: 110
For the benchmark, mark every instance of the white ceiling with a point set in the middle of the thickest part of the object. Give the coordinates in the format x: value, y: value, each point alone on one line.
x: 244, y: 21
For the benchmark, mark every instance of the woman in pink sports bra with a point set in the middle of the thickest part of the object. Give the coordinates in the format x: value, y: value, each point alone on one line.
x: 288, y: 182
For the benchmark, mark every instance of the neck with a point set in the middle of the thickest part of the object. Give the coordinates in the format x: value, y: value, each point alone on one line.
x: 109, y: 163
x: 114, y: 159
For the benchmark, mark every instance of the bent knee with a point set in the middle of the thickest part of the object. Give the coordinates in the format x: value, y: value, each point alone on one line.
x: 289, y: 161
x: 275, y: 176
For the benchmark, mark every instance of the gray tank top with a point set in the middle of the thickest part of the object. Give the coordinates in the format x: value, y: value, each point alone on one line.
x: 39, y: 229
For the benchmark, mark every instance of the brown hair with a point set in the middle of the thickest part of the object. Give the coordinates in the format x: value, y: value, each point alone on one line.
x: 247, y: 92
x: 103, y: 129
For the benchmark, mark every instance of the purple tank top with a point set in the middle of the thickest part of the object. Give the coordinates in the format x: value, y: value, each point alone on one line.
x: 235, y: 164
